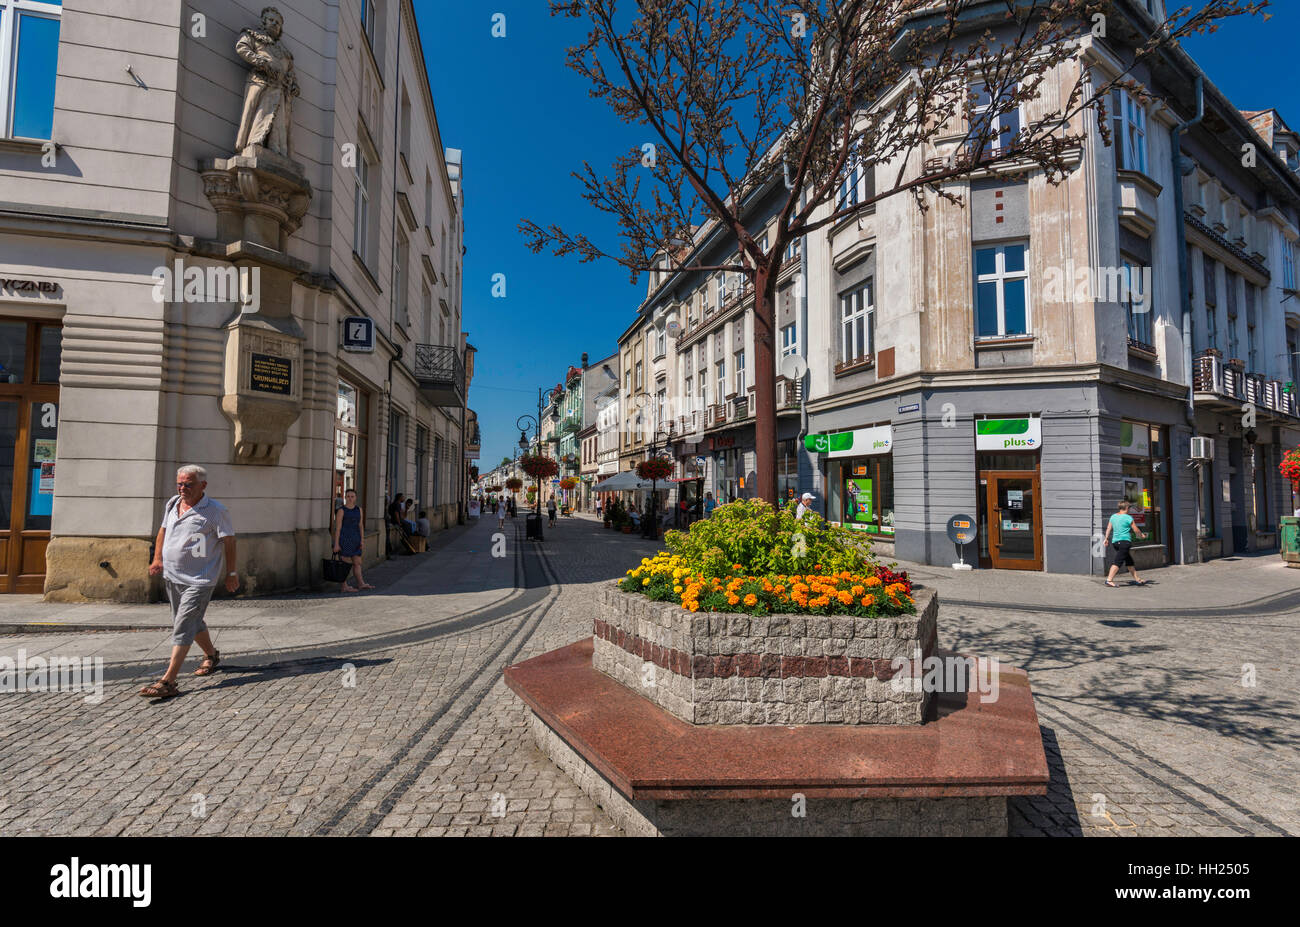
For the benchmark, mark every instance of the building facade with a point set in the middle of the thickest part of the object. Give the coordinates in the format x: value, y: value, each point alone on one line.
x: 254, y: 267
x: 1029, y: 354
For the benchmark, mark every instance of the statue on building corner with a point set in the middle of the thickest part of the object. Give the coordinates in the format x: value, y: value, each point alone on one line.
x: 269, y: 90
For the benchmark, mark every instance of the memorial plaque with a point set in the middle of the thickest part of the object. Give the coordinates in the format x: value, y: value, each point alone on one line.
x: 268, y: 374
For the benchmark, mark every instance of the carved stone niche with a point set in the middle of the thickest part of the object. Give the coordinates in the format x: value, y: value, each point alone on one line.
x: 260, y: 199
x: 263, y: 385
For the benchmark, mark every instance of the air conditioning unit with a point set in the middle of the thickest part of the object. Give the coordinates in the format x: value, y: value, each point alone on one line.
x: 1202, y: 449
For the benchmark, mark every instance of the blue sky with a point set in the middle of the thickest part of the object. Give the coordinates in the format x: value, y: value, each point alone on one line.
x: 525, y: 122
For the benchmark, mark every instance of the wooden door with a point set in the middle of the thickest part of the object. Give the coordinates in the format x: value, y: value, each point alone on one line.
x: 29, y: 414
x: 1015, y: 520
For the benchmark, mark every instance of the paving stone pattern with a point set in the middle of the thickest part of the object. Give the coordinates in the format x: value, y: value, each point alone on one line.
x: 1147, y: 725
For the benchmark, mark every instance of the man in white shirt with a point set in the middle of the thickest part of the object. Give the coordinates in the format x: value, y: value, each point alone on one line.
x: 195, y: 545
x: 805, y: 505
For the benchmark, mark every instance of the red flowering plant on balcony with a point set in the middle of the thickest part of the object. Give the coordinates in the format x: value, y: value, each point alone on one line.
x: 656, y: 468
x: 1290, y: 466
x: 539, y: 466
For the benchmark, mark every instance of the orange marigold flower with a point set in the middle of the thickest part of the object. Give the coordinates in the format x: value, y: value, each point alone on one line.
x: 857, y: 590
x: 868, y: 601
x: 732, y: 599
x: 751, y: 599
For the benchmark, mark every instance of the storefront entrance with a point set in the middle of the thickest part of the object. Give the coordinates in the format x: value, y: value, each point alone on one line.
x: 29, y: 420
x: 1012, y: 520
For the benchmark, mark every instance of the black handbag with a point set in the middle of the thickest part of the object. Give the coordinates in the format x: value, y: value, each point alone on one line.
x: 336, y: 569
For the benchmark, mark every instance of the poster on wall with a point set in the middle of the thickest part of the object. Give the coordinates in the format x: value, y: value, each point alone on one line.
x: 1139, y: 499
x: 858, y: 502
x: 43, y: 450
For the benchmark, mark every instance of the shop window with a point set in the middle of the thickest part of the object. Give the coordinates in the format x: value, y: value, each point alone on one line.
x: 863, y: 493
x: 350, y: 425
x: 787, y: 470
x: 1145, y: 464
x: 1001, y: 291
x: 1263, y: 511
x: 1209, y: 501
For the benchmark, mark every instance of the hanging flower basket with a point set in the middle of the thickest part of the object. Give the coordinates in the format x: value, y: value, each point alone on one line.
x: 1290, y: 467
x: 654, y: 469
x: 568, y: 482
x: 514, y: 484
x: 539, y: 467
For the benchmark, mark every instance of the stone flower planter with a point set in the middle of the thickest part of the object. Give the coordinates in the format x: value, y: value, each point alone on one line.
x: 711, y: 668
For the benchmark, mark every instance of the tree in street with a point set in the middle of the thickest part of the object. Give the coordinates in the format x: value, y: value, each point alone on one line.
x: 735, y: 94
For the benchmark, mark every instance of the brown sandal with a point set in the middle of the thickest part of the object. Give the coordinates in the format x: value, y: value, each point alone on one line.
x: 160, y: 689
x: 209, y: 664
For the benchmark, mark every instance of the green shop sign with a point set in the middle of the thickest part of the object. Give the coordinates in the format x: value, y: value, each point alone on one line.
x: 1008, y: 434
x: 860, y: 443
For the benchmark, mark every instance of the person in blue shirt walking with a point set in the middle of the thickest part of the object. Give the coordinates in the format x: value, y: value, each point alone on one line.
x: 1119, y: 534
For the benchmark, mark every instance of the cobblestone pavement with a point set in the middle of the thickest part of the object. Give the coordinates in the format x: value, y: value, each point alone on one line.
x: 1148, y: 727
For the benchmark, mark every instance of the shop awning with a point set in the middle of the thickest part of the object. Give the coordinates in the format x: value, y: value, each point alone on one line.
x: 627, y: 481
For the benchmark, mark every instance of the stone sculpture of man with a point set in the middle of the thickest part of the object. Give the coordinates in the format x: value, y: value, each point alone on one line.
x: 271, y: 87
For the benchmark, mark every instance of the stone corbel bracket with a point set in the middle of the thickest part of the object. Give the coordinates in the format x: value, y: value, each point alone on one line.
x: 260, y: 199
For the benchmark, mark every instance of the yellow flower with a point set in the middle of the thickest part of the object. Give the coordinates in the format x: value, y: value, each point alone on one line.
x: 677, y: 588
x: 646, y: 581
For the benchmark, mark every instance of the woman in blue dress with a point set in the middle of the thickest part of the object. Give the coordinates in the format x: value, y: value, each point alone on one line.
x: 347, y: 538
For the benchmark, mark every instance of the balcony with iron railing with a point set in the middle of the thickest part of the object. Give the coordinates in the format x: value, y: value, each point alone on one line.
x: 1227, y: 386
x: 440, y: 373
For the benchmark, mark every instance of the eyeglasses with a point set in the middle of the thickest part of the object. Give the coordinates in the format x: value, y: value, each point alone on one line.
x: 186, y: 485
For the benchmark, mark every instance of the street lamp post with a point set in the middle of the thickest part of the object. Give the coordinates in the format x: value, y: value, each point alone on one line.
x: 523, y: 423
x: 651, y: 529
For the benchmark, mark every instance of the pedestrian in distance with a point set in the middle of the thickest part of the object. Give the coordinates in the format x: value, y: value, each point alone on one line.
x: 501, y: 518
x: 709, y: 504
x: 347, y: 538
x: 194, y: 548
x: 550, y: 511
x: 1119, y: 534
x: 805, y: 505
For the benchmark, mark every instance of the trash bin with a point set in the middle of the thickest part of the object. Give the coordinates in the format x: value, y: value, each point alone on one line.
x: 533, y: 527
x: 1290, y: 540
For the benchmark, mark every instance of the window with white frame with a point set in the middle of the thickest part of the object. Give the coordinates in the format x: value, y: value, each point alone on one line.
x: 722, y: 378
x: 703, y: 382
x: 29, y: 54
x: 661, y: 342
x: 1001, y: 291
x: 722, y: 288
x: 1137, y: 304
x: 857, y: 318
x: 740, y: 373
x: 857, y: 182
x: 789, y: 340
x: 361, y: 226
x: 994, y: 124
x: 1129, y: 119
x: 792, y: 250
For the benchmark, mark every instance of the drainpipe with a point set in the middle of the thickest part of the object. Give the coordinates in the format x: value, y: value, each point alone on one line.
x: 1184, y: 295
x: 803, y: 338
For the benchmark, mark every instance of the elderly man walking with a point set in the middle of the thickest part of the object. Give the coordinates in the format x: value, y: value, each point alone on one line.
x: 195, y: 546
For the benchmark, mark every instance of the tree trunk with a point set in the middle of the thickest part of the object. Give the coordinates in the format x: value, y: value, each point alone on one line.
x: 765, y: 384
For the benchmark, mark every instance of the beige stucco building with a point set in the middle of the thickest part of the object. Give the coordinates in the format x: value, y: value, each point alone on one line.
x: 239, y: 363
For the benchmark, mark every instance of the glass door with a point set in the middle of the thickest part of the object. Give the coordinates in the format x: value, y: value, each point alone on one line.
x: 1014, y: 521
